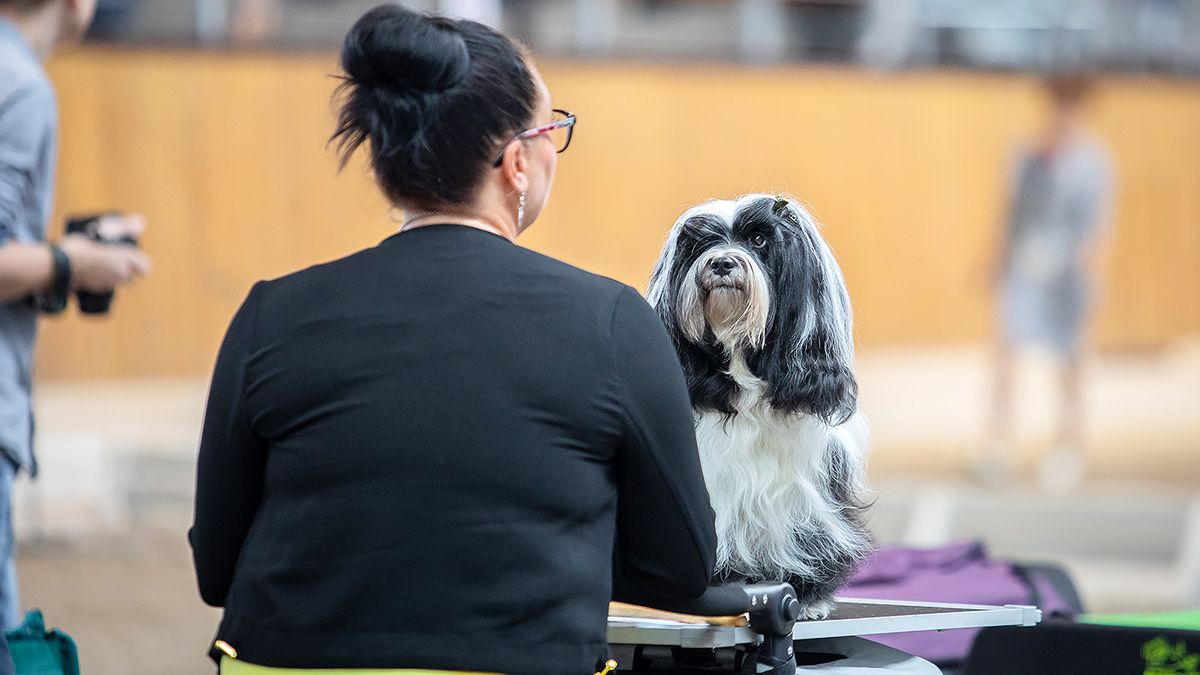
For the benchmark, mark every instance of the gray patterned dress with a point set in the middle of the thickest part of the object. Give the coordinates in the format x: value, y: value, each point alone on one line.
x: 1060, y: 206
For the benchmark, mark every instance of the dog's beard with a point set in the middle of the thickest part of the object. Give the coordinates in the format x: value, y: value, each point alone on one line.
x: 734, y: 307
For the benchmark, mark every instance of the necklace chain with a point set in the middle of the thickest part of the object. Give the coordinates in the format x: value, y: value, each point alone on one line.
x: 429, y: 214
x: 467, y: 221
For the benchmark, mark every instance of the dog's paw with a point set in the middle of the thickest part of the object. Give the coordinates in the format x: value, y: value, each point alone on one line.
x: 816, y: 611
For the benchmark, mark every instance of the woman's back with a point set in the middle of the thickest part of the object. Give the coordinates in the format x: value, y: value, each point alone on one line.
x: 435, y: 432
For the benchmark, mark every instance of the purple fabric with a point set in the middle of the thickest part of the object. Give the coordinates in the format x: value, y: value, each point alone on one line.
x: 957, y: 573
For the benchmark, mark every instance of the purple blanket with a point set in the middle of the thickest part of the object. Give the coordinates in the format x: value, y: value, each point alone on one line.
x: 958, y: 573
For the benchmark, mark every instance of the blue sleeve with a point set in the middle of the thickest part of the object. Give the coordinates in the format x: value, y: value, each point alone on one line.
x: 22, y: 125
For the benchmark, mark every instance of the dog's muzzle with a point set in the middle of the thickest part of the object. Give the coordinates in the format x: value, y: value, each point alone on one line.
x: 722, y: 272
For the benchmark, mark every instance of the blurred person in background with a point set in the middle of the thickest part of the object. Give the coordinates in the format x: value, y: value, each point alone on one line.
x: 487, y: 12
x: 112, y: 19
x: 256, y: 21
x: 1048, y: 274
x: 445, y: 451
x: 35, y: 274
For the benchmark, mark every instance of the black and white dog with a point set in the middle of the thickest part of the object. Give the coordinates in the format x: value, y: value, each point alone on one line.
x: 759, y: 313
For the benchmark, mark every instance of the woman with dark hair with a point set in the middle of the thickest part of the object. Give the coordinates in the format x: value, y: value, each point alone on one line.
x: 446, y: 451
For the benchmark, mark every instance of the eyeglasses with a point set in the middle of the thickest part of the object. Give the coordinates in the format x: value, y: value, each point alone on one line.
x: 560, y: 129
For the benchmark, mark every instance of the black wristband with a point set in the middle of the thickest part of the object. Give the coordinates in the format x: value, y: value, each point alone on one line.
x: 54, y: 300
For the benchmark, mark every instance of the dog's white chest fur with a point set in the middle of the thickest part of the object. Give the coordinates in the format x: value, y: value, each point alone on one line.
x: 768, y: 479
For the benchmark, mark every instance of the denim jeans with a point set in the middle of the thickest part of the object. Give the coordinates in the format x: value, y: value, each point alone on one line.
x: 10, y: 603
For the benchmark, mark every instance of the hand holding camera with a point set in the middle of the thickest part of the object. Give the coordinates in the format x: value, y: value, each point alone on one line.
x: 102, y: 254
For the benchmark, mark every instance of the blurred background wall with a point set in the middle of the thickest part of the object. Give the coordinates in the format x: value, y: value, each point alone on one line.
x: 896, y: 121
x: 225, y: 153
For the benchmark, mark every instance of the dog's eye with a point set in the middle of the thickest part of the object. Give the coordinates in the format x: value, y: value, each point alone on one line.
x: 758, y: 241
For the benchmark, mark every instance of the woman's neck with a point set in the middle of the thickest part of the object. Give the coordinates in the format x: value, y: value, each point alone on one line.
x: 492, y: 225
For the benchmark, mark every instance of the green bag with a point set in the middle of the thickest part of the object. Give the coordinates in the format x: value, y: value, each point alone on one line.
x: 38, y: 652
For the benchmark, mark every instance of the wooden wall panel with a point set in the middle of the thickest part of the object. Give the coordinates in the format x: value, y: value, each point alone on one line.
x: 226, y: 155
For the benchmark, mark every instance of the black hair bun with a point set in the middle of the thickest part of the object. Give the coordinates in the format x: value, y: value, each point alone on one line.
x: 432, y: 99
x: 391, y: 46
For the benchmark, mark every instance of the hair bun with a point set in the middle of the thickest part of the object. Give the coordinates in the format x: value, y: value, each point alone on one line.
x: 394, y: 46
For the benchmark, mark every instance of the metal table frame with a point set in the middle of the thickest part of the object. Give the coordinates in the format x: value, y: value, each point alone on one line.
x: 624, y: 631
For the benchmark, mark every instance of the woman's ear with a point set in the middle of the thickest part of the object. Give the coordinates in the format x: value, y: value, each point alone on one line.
x: 515, y: 165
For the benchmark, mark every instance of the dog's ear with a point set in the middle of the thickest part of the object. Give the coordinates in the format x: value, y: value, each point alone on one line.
x: 704, y: 365
x: 808, y: 359
x: 704, y: 368
x: 812, y: 380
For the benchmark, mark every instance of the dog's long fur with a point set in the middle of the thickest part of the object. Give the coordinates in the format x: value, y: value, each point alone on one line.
x: 767, y: 347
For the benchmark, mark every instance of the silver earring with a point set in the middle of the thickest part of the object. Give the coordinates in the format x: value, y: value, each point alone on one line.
x: 521, y: 212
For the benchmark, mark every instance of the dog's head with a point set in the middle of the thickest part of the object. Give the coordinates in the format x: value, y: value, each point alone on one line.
x: 752, y: 279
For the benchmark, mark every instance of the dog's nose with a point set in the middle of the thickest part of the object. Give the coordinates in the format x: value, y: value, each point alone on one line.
x: 723, y: 266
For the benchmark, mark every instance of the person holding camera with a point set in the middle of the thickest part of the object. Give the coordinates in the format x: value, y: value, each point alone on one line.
x: 37, y: 276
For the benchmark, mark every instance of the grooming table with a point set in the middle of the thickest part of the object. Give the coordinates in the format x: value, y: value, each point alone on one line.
x: 769, y: 633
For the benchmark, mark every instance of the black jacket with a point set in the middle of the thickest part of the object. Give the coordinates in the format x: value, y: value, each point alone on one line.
x: 421, y: 455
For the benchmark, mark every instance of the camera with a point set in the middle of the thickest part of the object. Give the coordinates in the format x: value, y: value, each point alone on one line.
x: 89, y: 226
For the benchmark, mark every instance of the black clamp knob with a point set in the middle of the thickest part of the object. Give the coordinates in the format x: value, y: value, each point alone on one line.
x: 774, y: 610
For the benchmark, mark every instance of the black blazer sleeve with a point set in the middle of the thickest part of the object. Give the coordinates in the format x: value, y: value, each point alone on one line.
x: 229, y: 475
x: 666, y: 540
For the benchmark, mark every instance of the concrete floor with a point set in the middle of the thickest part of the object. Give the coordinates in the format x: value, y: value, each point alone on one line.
x: 130, y: 603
